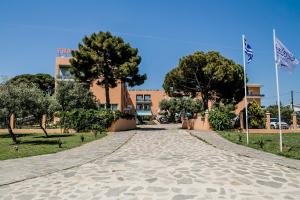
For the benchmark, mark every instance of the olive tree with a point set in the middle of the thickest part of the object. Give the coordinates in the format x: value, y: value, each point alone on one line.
x: 22, y: 100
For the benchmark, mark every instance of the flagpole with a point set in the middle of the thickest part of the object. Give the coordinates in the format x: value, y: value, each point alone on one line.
x: 278, y: 97
x: 245, y: 84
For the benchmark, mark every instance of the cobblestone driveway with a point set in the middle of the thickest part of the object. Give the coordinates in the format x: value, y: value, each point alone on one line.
x: 164, y: 164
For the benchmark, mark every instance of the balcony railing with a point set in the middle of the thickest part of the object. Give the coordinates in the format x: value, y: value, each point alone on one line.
x: 61, y: 77
x: 143, y: 100
x: 255, y: 95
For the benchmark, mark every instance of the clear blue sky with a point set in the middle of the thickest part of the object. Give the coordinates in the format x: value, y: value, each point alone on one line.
x: 163, y: 31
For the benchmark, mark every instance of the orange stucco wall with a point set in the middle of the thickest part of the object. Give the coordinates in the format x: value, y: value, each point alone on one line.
x: 156, y: 97
x: 122, y: 125
x: 254, y: 95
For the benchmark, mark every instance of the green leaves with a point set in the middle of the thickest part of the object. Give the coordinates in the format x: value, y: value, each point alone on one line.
x: 209, y: 74
x: 181, y: 105
x: 256, y: 115
x: 71, y: 95
x: 107, y: 59
x: 220, y: 118
x: 45, y: 82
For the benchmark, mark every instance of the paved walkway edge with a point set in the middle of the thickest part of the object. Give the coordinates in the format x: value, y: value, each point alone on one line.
x: 217, y: 141
x: 14, y: 178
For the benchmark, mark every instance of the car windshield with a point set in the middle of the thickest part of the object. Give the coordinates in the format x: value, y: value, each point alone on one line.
x: 274, y: 120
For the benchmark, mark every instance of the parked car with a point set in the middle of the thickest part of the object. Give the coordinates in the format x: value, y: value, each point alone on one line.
x: 162, y: 119
x: 274, y: 124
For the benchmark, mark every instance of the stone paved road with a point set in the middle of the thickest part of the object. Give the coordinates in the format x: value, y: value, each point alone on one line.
x: 164, y: 164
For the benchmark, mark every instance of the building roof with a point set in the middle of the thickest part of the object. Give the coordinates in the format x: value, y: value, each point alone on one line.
x: 254, y: 85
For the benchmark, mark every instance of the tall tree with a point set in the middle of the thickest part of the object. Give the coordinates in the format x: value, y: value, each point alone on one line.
x: 107, y: 59
x: 45, y: 82
x: 210, y: 75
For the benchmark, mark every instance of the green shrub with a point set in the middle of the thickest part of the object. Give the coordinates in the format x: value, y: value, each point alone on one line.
x: 118, y: 114
x: 89, y: 120
x: 220, y: 119
x: 256, y: 115
x: 93, y: 120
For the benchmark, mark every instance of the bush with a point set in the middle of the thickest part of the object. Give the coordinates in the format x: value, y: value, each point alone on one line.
x: 118, y: 114
x: 93, y: 120
x: 256, y: 115
x: 89, y: 120
x: 220, y: 119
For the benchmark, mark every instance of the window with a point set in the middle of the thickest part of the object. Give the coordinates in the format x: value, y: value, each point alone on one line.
x: 139, y: 97
x: 114, y: 106
x: 64, y: 73
x: 102, y: 106
x: 139, y: 107
x: 147, y: 107
x: 147, y: 97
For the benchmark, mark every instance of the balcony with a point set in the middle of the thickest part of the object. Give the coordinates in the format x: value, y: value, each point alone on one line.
x: 65, y: 78
x: 143, y: 100
x: 144, y: 112
x: 251, y: 95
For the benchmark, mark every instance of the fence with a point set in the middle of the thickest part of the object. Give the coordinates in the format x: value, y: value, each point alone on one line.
x: 292, y: 128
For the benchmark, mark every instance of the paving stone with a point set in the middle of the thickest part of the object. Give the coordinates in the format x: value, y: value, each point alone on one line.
x: 157, y: 189
x: 113, y: 192
x: 183, y: 197
x: 269, y: 183
x: 185, y: 181
x: 151, y: 180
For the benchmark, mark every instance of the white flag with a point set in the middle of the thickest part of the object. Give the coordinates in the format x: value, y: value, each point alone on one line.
x: 285, y: 58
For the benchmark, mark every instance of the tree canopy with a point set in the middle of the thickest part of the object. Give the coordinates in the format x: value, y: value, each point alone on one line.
x: 286, y: 112
x: 22, y: 100
x: 70, y: 95
x: 210, y: 75
x: 45, y: 82
x: 107, y: 59
x: 181, y: 106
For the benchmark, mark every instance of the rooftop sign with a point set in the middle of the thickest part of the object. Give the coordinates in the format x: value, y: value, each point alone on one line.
x: 64, y: 52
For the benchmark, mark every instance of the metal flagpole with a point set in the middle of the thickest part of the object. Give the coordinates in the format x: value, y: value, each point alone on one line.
x: 277, y: 85
x: 245, y: 84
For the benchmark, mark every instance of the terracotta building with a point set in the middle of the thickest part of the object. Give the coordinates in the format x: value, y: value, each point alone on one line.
x: 141, y: 102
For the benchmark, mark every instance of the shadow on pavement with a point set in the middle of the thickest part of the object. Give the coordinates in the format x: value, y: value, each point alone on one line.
x: 150, y: 128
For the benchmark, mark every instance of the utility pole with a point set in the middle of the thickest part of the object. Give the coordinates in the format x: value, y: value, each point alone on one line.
x: 292, y: 99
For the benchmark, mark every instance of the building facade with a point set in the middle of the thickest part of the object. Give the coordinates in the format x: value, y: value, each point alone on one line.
x: 119, y: 97
x: 141, y: 102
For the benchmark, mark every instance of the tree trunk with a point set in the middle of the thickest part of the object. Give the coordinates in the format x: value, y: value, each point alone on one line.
x: 107, y: 95
x: 205, y: 101
x: 11, y: 133
x: 44, y: 130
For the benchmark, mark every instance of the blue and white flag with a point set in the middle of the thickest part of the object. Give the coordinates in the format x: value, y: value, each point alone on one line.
x: 248, y: 51
x: 285, y: 59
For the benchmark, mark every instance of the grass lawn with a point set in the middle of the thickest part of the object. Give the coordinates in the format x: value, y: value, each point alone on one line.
x: 268, y: 142
x: 37, y: 144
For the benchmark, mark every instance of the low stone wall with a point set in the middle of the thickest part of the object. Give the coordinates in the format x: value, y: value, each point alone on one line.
x: 274, y: 131
x: 199, y: 123
x: 122, y: 125
x: 119, y: 125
